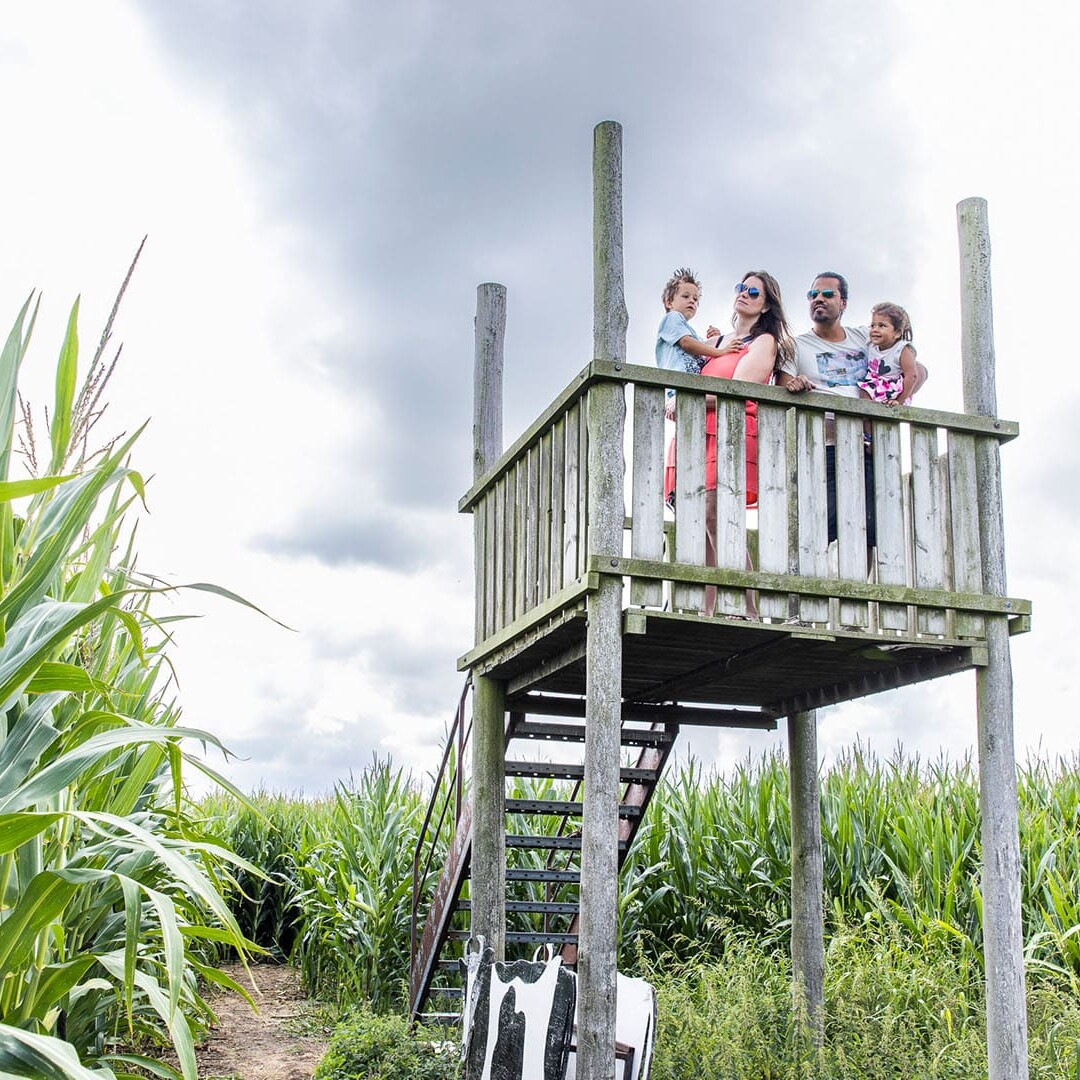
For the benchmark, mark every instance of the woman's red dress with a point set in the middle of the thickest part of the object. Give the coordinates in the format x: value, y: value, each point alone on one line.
x: 722, y: 367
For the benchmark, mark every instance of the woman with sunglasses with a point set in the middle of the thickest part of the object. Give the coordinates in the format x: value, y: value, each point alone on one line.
x: 760, y: 341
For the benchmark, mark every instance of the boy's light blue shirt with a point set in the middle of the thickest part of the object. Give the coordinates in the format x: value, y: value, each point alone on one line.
x: 673, y: 328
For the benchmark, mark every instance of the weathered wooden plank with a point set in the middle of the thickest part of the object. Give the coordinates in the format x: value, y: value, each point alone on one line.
x: 489, y: 339
x: 813, y: 510
x: 851, y: 513
x: 891, y: 538
x: 814, y: 587
x: 773, y: 548
x: 503, y: 607
x: 807, y: 888
x: 512, y: 578
x: 1003, y: 945
x: 964, y: 514
x: 928, y: 522
x: 689, y: 493
x: 1001, y: 430
x: 731, y: 499
x: 647, y: 490
x: 584, y: 470
x: 600, y: 825
x: 485, y: 588
x: 946, y: 528
x: 572, y: 505
x: 558, y: 506
x: 543, y: 568
x: 532, y: 525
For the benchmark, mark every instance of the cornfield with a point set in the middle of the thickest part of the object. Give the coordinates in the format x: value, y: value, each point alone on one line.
x: 901, y: 851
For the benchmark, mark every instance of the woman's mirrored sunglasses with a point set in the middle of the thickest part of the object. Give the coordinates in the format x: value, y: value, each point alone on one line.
x: 827, y: 294
x: 751, y: 290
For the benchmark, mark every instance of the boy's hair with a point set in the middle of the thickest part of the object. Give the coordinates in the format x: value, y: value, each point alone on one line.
x: 896, y: 315
x: 683, y: 274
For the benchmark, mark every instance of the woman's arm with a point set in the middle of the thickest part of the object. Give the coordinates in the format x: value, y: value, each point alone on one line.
x: 760, y: 359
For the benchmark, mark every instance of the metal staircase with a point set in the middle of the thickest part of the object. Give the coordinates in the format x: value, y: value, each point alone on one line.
x: 543, y: 840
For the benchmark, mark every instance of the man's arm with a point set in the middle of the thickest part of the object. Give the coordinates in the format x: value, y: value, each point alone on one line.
x: 795, y: 383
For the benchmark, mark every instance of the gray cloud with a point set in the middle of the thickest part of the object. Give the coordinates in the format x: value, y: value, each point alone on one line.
x: 428, y: 149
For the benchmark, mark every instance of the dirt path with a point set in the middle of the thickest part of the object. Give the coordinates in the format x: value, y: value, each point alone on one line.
x: 264, y: 1046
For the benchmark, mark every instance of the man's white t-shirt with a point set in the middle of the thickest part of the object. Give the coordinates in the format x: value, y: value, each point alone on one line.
x: 834, y: 367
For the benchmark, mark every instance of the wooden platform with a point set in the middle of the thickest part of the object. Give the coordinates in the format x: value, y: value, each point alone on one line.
x: 782, y: 667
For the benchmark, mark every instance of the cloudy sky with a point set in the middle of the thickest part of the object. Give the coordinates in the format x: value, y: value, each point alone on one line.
x: 325, y: 184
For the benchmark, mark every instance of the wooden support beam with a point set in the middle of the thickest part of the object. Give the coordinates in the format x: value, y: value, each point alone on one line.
x: 1006, y: 1011
x: 488, y: 916
x: 603, y: 656
x: 807, y: 874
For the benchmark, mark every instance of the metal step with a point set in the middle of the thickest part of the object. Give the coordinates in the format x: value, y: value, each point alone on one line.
x: 439, y: 1019
x: 559, y: 807
x: 553, y: 771
x: 548, y: 843
x: 532, y: 729
x: 523, y: 937
x: 571, y: 877
x: 532, y: 907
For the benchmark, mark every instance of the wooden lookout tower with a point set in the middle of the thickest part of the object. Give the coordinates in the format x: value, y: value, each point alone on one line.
x: 589, y: 629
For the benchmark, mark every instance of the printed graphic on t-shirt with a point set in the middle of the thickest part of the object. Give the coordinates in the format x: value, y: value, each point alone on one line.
x: 843, y: 368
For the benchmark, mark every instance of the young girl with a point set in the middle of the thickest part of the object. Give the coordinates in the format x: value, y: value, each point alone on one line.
x: 890, y: 364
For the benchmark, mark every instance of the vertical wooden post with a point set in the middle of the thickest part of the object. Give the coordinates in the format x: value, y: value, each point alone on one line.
x: 489, y: 695
x: 603, y: 678
x: 1006, y: 1013
x: 807, y: 886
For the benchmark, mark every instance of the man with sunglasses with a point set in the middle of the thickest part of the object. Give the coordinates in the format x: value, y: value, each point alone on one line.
x: 831, y: 358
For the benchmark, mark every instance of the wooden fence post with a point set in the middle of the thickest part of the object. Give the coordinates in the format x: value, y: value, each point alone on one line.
x: 603, y: 679
x: 1006, y: 1011
x: 488, y: 795
x: 807, y: 885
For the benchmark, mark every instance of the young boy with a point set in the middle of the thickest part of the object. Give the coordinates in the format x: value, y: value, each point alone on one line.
x: 678, y: 348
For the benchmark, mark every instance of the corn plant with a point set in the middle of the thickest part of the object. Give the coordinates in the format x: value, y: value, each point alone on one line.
x: 107, y: 886
x: 353, y: 884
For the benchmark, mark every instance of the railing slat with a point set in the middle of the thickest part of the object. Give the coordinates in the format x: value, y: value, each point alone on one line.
x: 647, y: 490
x: 964, y: 511
x: 731, y: 499
x: 571, y: 520
x: 558, y: 506
x: 583, y: 489
x: 851, y: 513
x: 773, y: 548
x: 543, y: 558
x: 486, y: 508
x: 813, y: 512
x: 928, y: 522
x: 532, y: 525
x: 503, y: 609
x: 690, y: 494
x: 891, y: 535
x: 521, y: 505
x: 512, y: 580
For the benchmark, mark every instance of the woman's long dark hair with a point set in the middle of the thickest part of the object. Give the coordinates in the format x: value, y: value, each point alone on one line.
x: 772, y: 321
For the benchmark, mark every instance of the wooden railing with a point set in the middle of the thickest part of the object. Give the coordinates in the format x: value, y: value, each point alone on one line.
x: 923, y: 577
